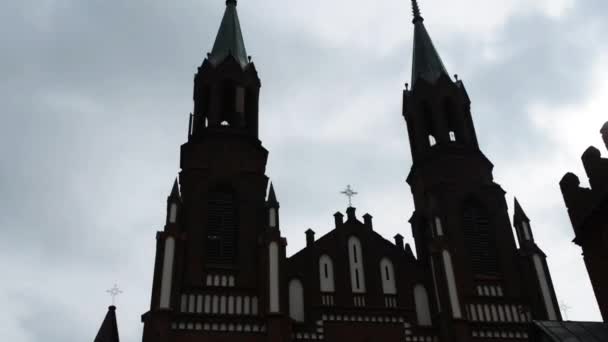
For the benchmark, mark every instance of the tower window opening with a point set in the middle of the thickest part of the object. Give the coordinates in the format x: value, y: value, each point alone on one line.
x: 206, y: 122
x: 225, y: 123
x: 355, y: 254
x: 480, y: 240
x: 240, y: 100
x: 221, y: 228
x: 358, y: 285
x: 386, y: 271
x: 325, y: 270
x: 452, y: 136
x: 451, y: 118
x: 432, y: 140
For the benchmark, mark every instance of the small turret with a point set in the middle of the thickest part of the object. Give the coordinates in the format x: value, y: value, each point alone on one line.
x: 399, y: 241
x: 310, y: 237
x: 173, y: 204
x: 522, y: 225
x: 272, y: 206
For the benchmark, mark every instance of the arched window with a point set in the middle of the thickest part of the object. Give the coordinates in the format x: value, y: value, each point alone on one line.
x: 228, y: 99
x: 451, y: 280
x: 480, y: 239
x: 172, y: 213
x: 272, y: 217
x: 423, y: 311
x: 429, y: 124
x: 167, y: 273
x: 273, y: 276
x: 388, y: 277
x: 326, y: 274
x: 221, y: 227
x: 357, y: 275
x: 296, y: 300
x: 451, y: 119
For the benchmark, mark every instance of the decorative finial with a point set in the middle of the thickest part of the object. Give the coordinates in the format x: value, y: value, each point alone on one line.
x: 456, y: 77
x: 416, y: 11
x: 114, y: 292
x: 350, y: 193
x: 407, y: 86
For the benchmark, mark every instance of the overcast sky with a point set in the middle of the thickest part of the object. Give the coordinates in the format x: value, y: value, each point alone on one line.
x: 95, y: 97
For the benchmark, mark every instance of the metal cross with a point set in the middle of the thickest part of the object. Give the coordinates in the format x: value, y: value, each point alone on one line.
x: 565, y: 308
x: 114, y: 292
x: 349, y: 193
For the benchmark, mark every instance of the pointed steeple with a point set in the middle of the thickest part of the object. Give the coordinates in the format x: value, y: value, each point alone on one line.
x: 175, y: 190
x: 426, y: 62
x: 272, y: 197
x: 229, y: 39
x: 518, y: 213
x: 108, y: 332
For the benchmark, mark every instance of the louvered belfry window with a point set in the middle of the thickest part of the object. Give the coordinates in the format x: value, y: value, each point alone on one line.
x: 221, y: 228
x: 480, y: 240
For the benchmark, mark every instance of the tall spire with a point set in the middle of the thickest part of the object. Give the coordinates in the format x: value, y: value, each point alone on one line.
x: 108, y: 332
x: 229, y: 40
x: 416, y: 11
x: 426, y: 62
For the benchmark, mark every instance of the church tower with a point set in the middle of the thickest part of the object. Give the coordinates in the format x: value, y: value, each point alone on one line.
x: 484, y: 285
x: 220, y: 255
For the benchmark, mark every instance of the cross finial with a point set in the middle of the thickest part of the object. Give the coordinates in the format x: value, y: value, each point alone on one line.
x: 350, y: 193
x: 416, y: 11
x: 114, y: 292
x: 564, y: 308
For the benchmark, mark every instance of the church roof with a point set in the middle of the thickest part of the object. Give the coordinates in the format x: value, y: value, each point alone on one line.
x: 108, y: 332
x: 426, y: 62
x: 229, y: 40
x: 554, y: 331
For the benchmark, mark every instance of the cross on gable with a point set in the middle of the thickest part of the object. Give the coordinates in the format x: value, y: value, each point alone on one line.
x: 350, y: 193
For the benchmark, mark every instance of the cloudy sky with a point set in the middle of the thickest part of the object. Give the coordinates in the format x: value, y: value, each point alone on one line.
x: 95, y: 97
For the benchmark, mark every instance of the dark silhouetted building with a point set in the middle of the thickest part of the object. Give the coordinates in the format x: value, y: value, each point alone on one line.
x: 588, y: 210
x: 221, y: 272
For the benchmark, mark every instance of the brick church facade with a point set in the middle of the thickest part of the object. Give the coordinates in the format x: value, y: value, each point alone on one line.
x: 221, y: 272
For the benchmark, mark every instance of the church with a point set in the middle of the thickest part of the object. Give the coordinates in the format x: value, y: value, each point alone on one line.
x: 221, y: 271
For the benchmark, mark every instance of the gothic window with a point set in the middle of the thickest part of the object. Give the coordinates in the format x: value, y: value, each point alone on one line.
x: 221, y: 227
x: 205, y: 99
x: 450, y: 115
x: 480, y: 240
x: 228, y: 97
x: 423, y: 310
x: 356, y: 265
x: 296, y: 300
x: 326, y: 274
x: 429, y: 125
x: 173, y: 213
x: 388, y: 277
x: 240, y: 100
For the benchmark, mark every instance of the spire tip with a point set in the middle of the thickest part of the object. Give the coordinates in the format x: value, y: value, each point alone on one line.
x: 416, y: 11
